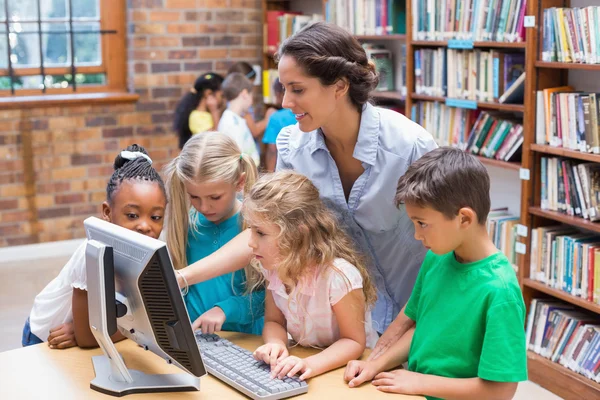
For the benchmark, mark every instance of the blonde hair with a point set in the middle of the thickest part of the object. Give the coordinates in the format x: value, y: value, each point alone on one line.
x: 310, y: 235
x: 207, y: 157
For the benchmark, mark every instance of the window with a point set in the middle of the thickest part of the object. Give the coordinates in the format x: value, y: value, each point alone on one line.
x: 61, y: 46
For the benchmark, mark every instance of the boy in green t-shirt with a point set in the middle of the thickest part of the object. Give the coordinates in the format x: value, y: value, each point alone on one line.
x: 468, y: 341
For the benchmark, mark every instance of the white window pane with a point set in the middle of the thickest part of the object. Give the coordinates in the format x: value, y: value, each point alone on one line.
x: 24, y: 45
x: 86, y: 9
x: 86, y: 38
x: 19, y: 10
x: 2, y: 10
x: 29, y: 82
x: 3, y: 48
x: 56, y: 44
x: 53, y: 9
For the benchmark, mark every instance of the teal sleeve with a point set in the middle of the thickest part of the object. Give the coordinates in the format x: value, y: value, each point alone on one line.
x: 244, y: 309
x: 503, y: 355
x: 412, y: 306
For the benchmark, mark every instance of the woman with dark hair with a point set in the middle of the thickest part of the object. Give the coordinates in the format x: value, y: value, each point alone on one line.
x: 200, y: 109
x: 354, y: 153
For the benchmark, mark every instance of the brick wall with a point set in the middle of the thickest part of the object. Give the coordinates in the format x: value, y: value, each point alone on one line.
x: 55, y: 161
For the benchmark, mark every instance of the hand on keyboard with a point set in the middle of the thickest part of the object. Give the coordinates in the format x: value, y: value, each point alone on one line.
x: 211, y: 321
x: 271, y: 353
x: 291, y: 366
x: 238, y: 368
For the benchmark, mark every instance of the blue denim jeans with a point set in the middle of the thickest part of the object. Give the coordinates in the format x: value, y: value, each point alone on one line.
x: 29, y: 339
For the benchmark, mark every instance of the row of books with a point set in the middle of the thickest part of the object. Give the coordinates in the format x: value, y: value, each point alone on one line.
x: 486, y: 134
x: 570, y: 187
x: 450, y: 126
x: 564, y: 335
x: 368, y: 17
x: 496, y: 135
x: 502, y: 229
x: 478, y: 20
x: 384, y: 65
x: 476, y: 75
x: 283, y: 24
x: 566, y: 259
x: 269, y: 78
x: 571, y: 35
x: 569, y: 119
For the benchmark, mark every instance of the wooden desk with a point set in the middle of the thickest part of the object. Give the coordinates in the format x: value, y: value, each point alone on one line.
x: 37, y: 372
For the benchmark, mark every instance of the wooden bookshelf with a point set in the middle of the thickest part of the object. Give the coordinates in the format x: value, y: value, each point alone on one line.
x: 559, y: 151
x: 561, y: 65
x: 480, y: 104
x: 389, y: 95
x: 496, y: 45
x: 396, y: 36
x: 500, y: 164
x: 566, y: 219
x: 560, y: 380
x: 578, y: 301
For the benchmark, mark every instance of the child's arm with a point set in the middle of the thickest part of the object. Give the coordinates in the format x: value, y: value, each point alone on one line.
x: 271, y: 157
x: 242, y: 309
x: 274, y: 334
x: 62, y: 336
x: 234, y: 255
x: 406, y: 382
x: 392, y: 334
x: 81, y: 321
x: 358, y: 372
x: 350, y: 316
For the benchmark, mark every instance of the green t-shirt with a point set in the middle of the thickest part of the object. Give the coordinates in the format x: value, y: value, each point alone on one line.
x: 469, y: 320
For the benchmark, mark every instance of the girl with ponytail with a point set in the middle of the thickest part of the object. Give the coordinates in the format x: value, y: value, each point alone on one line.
x: 203, y: 184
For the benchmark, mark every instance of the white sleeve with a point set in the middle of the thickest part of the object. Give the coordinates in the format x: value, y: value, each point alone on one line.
x: 283, y: 149
x: 343, y: 280
x: 76, y: 265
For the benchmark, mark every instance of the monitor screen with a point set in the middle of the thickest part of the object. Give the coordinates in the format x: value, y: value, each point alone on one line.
x: 142, y: 282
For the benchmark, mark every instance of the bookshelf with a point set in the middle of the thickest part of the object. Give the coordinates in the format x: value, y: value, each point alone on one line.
x: 540, y: 75
x: 390, y: 41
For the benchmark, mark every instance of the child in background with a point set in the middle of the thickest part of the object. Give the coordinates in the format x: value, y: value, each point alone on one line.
x: 204, y: 214
x: 237, y: 90
x: 468, y: 341
x: 199, y: 110
x: 257, y: 128
x: 136, y: 200
x: 318, y: 288
x: 279, y: 120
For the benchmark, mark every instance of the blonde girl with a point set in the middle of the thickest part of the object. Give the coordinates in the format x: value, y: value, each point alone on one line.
x: 318, y: 289
x: 203, y: 184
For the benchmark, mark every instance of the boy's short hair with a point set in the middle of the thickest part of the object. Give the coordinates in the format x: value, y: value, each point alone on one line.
x: 446, y: 179
x: 234, y: 84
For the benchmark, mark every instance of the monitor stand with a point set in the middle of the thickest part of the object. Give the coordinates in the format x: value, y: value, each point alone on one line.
x: 112, y: 376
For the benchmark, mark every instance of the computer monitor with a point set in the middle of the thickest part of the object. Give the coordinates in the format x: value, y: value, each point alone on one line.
x: 132, y: 288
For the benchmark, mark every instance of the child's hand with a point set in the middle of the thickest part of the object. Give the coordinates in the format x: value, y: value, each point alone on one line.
x: 399, y: 381
x: 211, y: 321
x: 357, y: 372
x: 290, y: 366
x: 212, y: 103
x: 62, y: 337
x: 271, y: 353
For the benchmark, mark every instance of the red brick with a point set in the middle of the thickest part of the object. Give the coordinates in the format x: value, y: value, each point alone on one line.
x: 182, y: 28
x: 100, y: 121
x: 252, y: 40
x: 21, y: 240
x: 229, y: 15
x: 181, y: 54
x: 212, y: 28
x: 164, y: 16
x: 165, y: 67
x: 9, y: 204
x: 16, y: 216
x: 86, y: 209
x: 226, y: 40
x: 243, y: 53
x: 69, y: 198
x: 165, y: 41
x: 245, y: 4
x: 53, y: 187
x: 105, y: 170
x: 191, y: 4
x: 245, y: 28
x: 54, y: 212
x: 198, y: 66
x: 198, y: 16
x: 117, y: 132
x: 215, y: 3
x: 197, y: 41
x: 162, y: 118
x: 148, y: 28
x: 166, y: 92
x: 12, y: 229
x: 85, y: 159
x: 150, y: 106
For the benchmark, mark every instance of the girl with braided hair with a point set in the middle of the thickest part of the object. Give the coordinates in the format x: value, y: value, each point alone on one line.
x: 135, y: 199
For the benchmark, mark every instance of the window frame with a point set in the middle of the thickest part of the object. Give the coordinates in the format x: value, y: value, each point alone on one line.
x: 114, y: 65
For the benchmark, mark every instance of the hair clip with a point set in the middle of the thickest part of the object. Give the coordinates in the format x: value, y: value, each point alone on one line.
x: 132, y: 155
